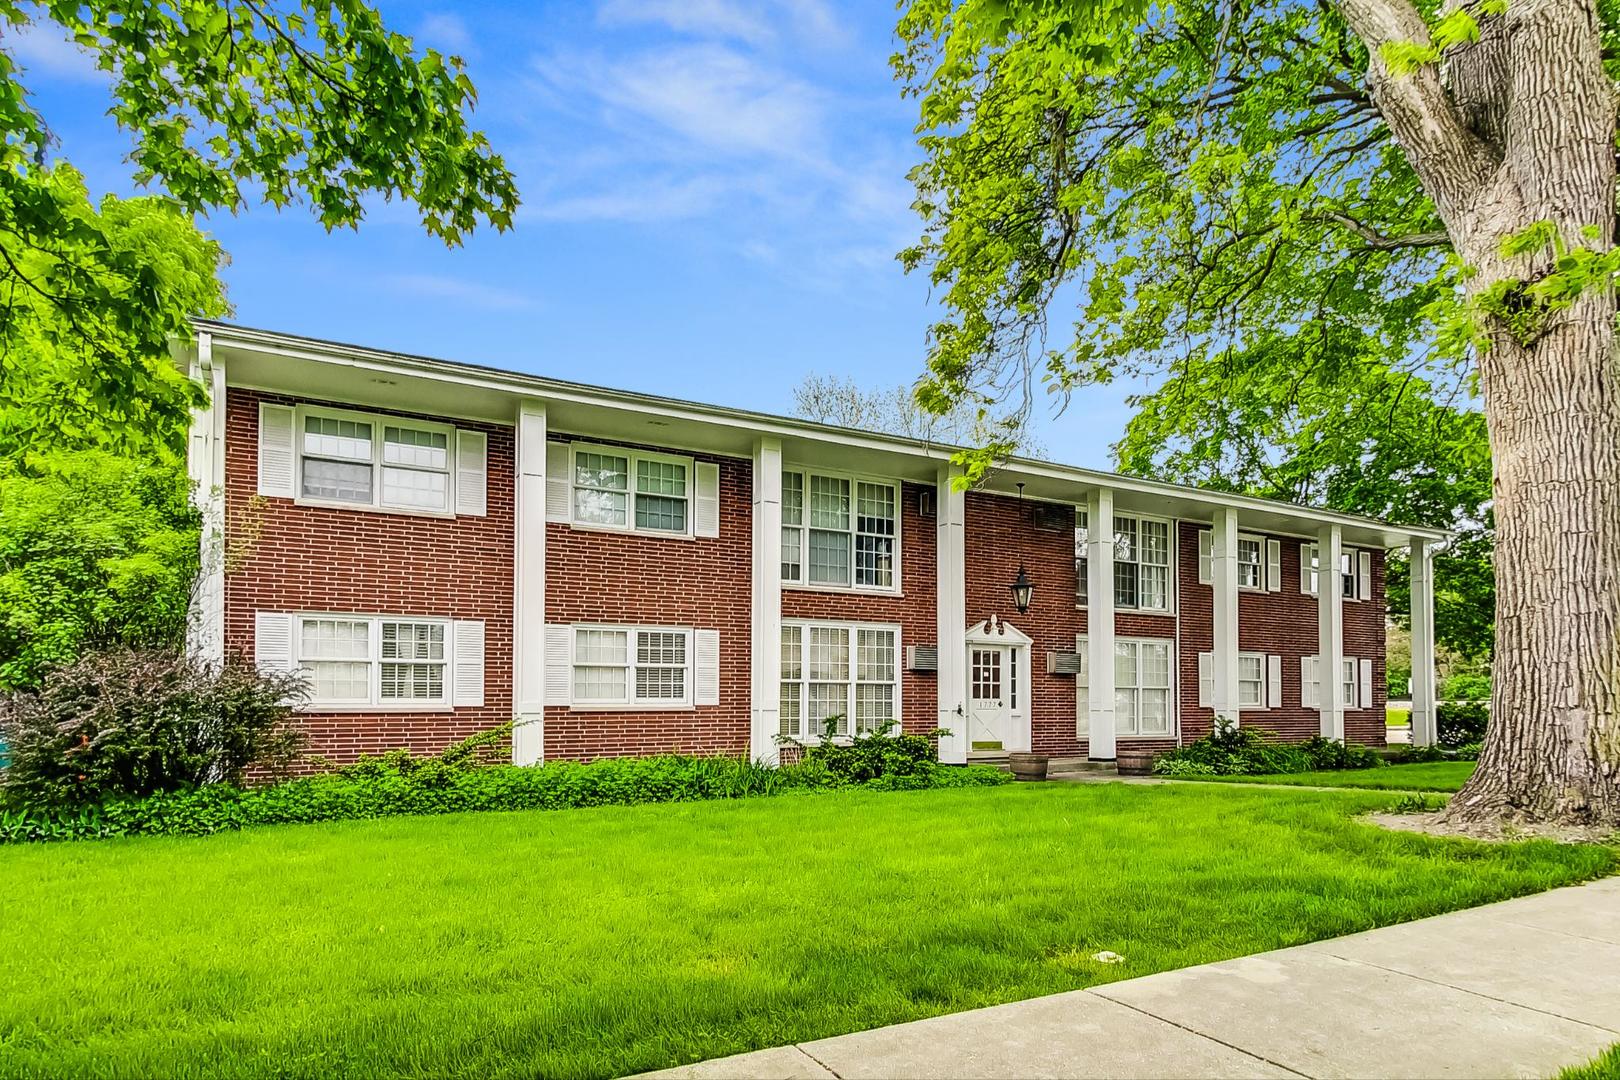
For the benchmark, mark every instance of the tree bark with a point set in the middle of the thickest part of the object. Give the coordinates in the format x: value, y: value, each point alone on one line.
x: 1515, y: 130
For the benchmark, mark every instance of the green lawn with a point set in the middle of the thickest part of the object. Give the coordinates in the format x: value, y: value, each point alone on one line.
x: 1434, y: 776
x: 1605, y: 1066
x: 587, y: 942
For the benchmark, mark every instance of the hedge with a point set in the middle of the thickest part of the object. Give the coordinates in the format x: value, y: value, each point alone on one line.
x: 378, y: 790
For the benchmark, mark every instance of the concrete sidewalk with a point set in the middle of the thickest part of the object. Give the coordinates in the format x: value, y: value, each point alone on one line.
x: 1521, y: 988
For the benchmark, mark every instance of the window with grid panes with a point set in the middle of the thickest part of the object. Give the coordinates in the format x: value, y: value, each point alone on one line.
x: 631, y: 665
x: 839, y: 532
x: 837, y: 675
x: 1141, y: 563
x: 631, y: 489
x: 373, y: 661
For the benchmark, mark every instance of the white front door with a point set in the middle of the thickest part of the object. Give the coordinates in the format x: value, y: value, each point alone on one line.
x: 992, y: 697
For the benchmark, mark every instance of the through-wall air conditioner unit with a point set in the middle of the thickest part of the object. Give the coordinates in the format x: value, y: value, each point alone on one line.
x: 1053, y: 517
x: 925, y: 503
x: 922, y: 658
x: 1063, y: 663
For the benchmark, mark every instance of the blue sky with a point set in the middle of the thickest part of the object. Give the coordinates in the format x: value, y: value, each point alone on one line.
x: 713, y: 194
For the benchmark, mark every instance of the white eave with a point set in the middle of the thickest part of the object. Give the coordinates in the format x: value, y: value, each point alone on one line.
x: 306, y: 367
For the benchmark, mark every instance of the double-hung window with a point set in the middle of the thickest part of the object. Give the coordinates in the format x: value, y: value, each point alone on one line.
x: 1141, y: 563
x: 358, y: 661
x: 1310, y: 560
x: 839, y: 531
x: 623, y: 489
x: 1347, y: 681
x: 1251, y: 562
x: 1142, y: 686
x: 374, y: 461
x: 836, y: 675
x: 1251, y: 680
x: 1082, y: 559
x: 623, y: 665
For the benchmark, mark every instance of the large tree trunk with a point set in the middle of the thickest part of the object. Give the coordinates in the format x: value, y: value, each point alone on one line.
x: 1517, y: 129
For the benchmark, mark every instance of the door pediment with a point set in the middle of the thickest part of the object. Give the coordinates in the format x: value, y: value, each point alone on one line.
x: 993, y: 631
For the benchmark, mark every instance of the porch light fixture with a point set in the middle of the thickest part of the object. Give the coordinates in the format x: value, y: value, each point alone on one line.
x: 1022, y: 588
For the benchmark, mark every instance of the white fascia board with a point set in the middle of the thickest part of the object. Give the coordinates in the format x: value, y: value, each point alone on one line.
x: 765, y: 424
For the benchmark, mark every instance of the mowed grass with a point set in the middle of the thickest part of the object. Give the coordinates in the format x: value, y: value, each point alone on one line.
x: 1432, y: 776
x: 1604, y: 1067
x: 592, y: 942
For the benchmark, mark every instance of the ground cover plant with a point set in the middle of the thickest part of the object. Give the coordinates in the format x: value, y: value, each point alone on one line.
x: 463, y: 779
x: 618, y: 939
x: 1605, y: 1066
x: 1232, y: 750
x: 1423, y: 776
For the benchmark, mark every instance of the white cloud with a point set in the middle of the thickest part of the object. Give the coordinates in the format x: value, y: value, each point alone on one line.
x: 709, y: 18
x: 651, y: 200
x: 448, y: 33
x: 44, y: 48
x: 458, y: 290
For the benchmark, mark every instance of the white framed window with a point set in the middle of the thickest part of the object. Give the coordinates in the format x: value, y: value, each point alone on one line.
x: 1347, y: 682
x: 1350, y: 682
x: 353, y: 660
x: 634, y: 490
x: 1082, y: 687
x: 840, y: 531
x: 1251, y: 680
x: 1141, y: 563
x: 846, y: 675
x: 1354, y: 566
x: 356, y: 459
x: 632, y: 665
x: 1082, y: 558
x: 1142, y: 683
x: 1251, y: 562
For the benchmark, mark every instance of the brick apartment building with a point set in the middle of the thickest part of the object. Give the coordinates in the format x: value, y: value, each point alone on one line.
x: 443, y: 547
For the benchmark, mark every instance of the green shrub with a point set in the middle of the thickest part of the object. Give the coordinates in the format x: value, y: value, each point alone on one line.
x: 128, y: 723
x: 872, y: 755
x: 1467, y: 752
x: 1230, y: 750
x: 398, y: 784
x: 95, y: 551
x: 1465, y: 686
x: 1421, y: 755
x: 1460, y: 722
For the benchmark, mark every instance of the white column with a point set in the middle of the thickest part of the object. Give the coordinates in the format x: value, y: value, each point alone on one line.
x: 1223, y: 660
x: 951, y: 614
x: 205, y: 464
x: 1100, y: 621
x: 1330, y: 631
x: 766, y: 647
x: 1423, y: 692
x: 529, y: 610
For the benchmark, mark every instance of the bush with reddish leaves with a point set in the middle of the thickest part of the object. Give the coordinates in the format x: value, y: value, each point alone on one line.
x: 128, y: 723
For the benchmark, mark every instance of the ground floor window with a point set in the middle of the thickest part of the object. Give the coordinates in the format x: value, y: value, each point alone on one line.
x: 632, y: 665
x: 355, y: 660
x: 838, y: 677
x: 1142, y: 685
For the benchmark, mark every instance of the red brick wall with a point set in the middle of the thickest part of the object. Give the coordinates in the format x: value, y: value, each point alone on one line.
x: 285, y: 557
x: 1284, y: 624
x: 631, y: 578
x: 914, y: 609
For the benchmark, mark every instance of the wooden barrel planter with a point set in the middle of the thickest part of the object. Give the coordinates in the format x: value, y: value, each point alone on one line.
x: 1027, y: 766
x: 1134, y: 762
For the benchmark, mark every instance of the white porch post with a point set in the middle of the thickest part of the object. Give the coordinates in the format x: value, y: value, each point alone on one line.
x: 1100, y: 622
x: 205, y: 463
x: 765, y: 681
x: 951, y: 615
x: 1330, y: 631
x: 1423, y: 691
x: 1223, y: 659
x: 529, y: 610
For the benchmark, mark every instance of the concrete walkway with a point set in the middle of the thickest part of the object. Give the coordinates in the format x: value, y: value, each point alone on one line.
x: 1521, y: 989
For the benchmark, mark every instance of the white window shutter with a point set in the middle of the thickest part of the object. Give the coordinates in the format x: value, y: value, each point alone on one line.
x: 1366, y: 685
x: 467, y: 675
x: 1206, y: 681
x: 559, y: 665
x: 1305, y: 584
x: 1273, y: 565
x: 706, y: 657
x: 559, y: 482
x: 1082, y: 679
x: 1206, y: 556
x: 706, y: 501
x: 277, y: 458
x: 1364, y: 576
x: 1273, y: 682
x: 1308, y: 698
x: 273, y: 641
x: 472, y: 473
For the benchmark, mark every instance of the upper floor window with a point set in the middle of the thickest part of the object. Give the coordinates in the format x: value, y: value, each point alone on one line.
x: 627, y: 489
x: 839, y: 531
x: 1082, y: 559
x: 1141, y: 563
x: 403, y: 465
x: 1354, y: 572
x: 1251, y: 562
